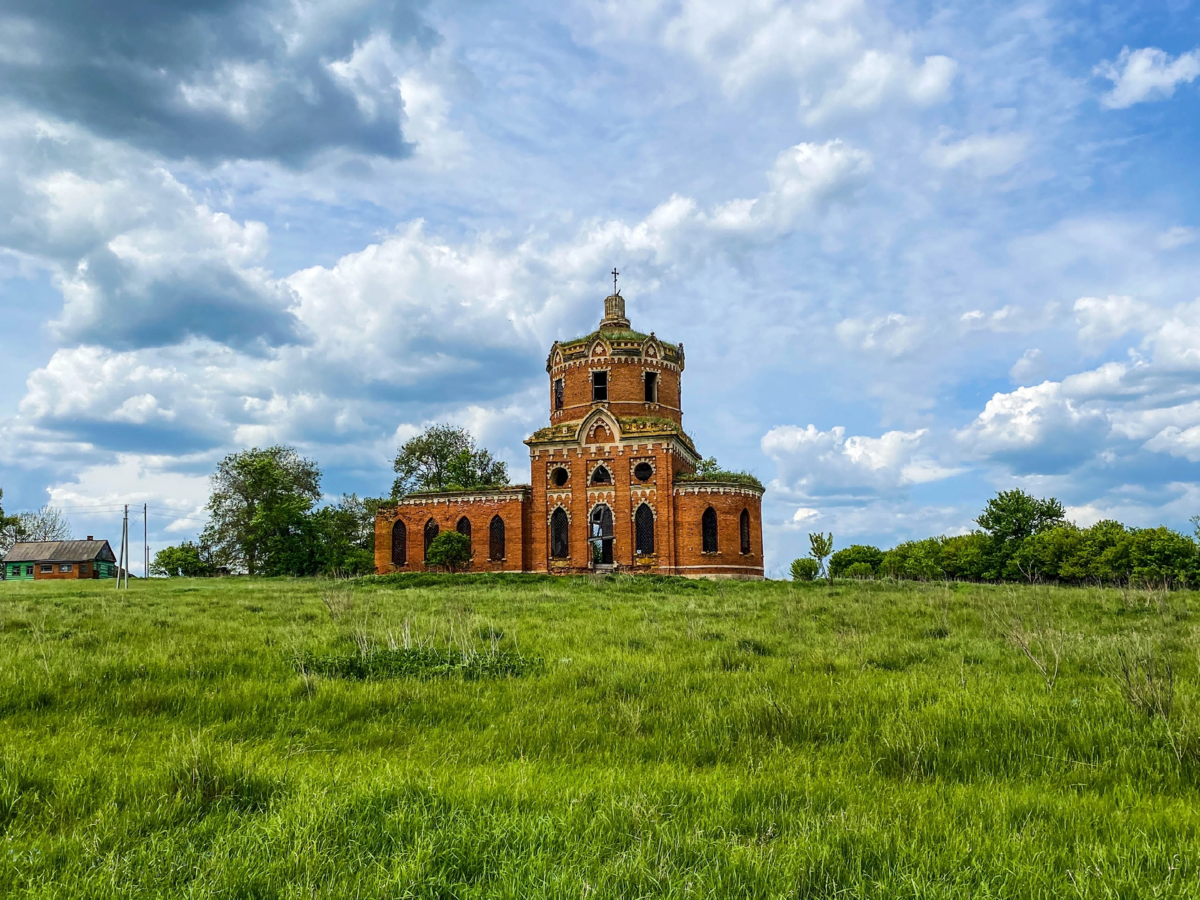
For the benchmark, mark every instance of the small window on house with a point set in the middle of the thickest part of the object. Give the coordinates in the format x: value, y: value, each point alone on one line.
x: 496, y: 539
x: 83, y: 568
x: 651, y: 387
x: 601, y: 476
x: 65, y: 567
x: 464, y: 527
x: 558, y: 393
x: 643, y: 471
x: 599, y: 386
x: 744, y: 530
x: 559, y: 476
x: 643, y: 522
x: 399, y: 545
x: 29, y: 570
x: 47, y: 570
x: 708, y: 530
x: 431, y: 531
x: 559, y: 526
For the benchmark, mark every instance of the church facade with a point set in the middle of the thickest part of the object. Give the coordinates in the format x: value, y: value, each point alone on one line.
x: 612, y: 484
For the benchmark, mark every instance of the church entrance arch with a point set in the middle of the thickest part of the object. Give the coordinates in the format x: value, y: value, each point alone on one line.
x: 600, y: 535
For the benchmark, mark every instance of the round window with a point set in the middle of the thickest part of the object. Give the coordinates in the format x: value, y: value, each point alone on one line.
x: 559, y: 477
x: 643, y: 471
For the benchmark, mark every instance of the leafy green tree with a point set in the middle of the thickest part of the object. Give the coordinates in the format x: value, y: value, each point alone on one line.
x: 1162, y: 556
x: 859, y: 570
x: 188, y: 560
x: 1009, y: 519
x: 805, y: 569
x: 1041, y: 556
x: 449, y: 550
x: 964, y: 556
x: 258, y: 511
x: 916, y: 560
x: 820, y: 546
x: 8, y: 527
x: 441, y: 458
x: 855, y: 555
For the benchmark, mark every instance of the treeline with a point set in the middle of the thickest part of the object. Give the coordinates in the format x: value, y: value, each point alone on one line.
x: 1022, y: 538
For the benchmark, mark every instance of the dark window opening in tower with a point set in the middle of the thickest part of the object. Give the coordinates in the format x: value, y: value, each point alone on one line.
x: 599, y: 386
x: 559, y: 476
x: 496, y: 539
x: 601, y: 535
x: 601, y: 476
x: 643, y: 521
x: 431, y: 531
x: 744, y: 529
x: 708, y: 530
x: 464, y: 527
x: 643, y: 471
x: 399, y: 545
x: 559, y: 528
x: 651, y: 387
x: 558, y: 393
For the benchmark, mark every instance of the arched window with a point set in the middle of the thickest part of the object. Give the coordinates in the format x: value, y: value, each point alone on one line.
x: 496, y: 539
x: 601, y: 535
x: 399, y: 545
x: 643, y: 523
x: 744, y: 530
x: 560, y: 547
x: 559, y: 476
x: 431, y: 531
x: 601, y: 476
x: 708, y: 530
x: 464, y: 527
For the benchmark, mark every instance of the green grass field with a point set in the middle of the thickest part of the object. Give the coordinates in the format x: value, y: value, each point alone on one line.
x: 656, y: 739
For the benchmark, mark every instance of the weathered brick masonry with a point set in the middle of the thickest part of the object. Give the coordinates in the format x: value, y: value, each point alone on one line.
x: 609, y: 486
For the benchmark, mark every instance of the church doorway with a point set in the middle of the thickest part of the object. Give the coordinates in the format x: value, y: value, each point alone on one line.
x: 601, y: 531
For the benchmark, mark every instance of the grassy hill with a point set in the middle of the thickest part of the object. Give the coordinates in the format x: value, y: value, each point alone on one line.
x: 529, y: 737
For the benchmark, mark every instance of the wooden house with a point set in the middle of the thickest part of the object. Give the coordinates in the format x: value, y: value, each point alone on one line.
x: 43, y: 560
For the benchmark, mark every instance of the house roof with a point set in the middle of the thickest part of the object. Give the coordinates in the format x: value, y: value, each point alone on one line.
x: 60, y: 551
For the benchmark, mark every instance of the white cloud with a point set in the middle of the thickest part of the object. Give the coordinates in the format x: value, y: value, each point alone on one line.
x: 1029, y: 367
x: 1146, y: 74
x: 984, y: 155
x: 1105, y: 319
x: 1038, y: 419
x: 894, y: 334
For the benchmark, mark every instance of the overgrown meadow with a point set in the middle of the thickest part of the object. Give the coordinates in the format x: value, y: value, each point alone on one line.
x: 481, y: 736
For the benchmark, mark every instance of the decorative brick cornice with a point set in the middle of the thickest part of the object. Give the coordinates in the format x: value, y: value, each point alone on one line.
x: 717, y: 487
x: 516, y: 493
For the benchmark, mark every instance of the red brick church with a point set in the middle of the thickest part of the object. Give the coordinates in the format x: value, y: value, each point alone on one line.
x: 612, y: 484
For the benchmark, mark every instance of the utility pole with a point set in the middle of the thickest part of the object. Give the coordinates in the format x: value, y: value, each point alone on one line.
x: 124, y: 571
x: 146, y: 537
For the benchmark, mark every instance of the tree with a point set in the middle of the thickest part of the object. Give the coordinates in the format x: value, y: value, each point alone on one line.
x: 188, y: 560
x: 258, y: 511
x: 449, y: 550
x: 856, y: 555
x: 821, y: 545
x: 47, y: 524
x: 805, y: 569
x: 8, y: 525
x: 443, y: 457
x: 1009, y: 519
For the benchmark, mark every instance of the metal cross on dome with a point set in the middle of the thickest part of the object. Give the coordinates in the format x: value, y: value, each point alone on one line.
x: 615, y: 274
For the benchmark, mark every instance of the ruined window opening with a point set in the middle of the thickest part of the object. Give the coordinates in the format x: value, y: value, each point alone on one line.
x: 643, y: 471
x: 464, y: 527
x: 559, y: 528
x: 496, y: 539
x: 558, y: 393
x: 431, y: 531
x: 745, y: 530
x: 601, y: 476
x: 708, y: 530
x: 599, y: 386
x: 651, y: 387
x: 559, y: 476
x: 643, y: 522
x: 601, y: 535
x: 399, y: 545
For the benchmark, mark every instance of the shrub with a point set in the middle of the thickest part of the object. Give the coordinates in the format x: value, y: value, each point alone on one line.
x: 805, y: 569
x: 449, y: 550
x: 859, y: 570
x: 856, y: 554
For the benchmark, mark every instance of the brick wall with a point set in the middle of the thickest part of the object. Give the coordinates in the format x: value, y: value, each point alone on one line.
x: 728, y: 501
x: 626, y: 388
x: 56, y: 575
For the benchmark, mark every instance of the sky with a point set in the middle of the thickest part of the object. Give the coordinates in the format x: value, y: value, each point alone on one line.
x: 917, y: 252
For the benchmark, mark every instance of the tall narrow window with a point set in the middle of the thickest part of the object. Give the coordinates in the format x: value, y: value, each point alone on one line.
x: 558, y: 393
x: 559, y: 526
x: 496, y: 539
x: 708, y: 530
x: 601, y: 536
x: 599, y: 386
x: 399, y: 545
x: 651, y: 387
x: 464, y: 527
x: 431, y: 531
x: 744, y: 529
x: 643, y: 522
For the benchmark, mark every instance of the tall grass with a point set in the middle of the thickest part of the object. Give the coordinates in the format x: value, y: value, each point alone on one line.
x: 674, y: 739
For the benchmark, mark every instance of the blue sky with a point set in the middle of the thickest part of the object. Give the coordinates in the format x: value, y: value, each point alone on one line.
x: 917, y: 252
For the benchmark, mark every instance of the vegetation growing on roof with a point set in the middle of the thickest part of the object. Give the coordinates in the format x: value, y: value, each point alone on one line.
x: 710, y: 470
